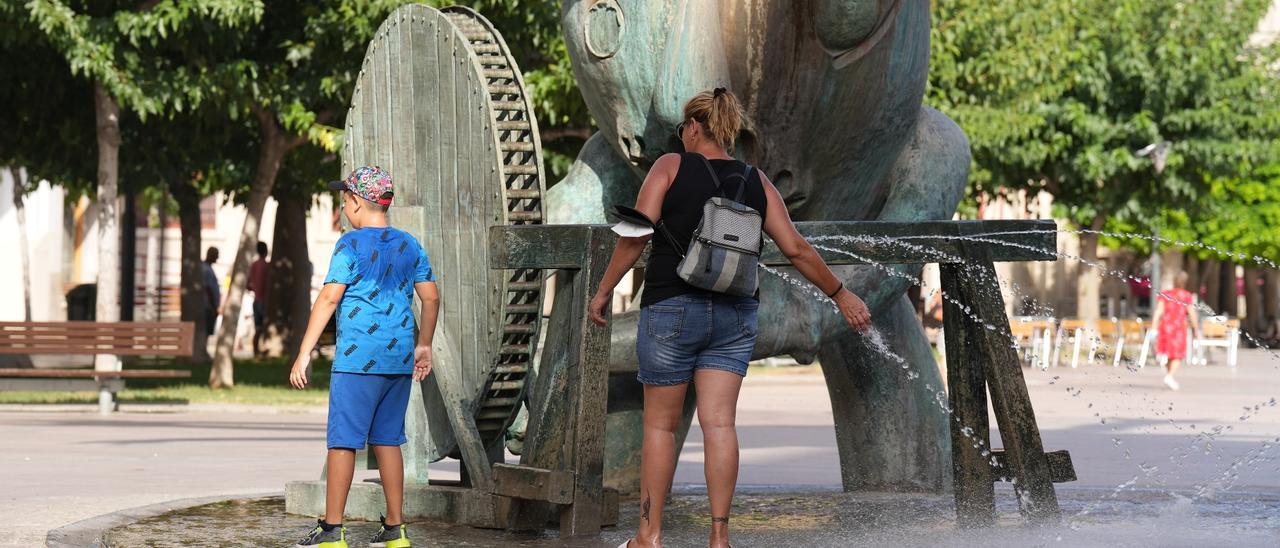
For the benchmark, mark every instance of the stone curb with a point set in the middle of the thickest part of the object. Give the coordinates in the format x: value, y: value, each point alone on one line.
x: 89, y: 532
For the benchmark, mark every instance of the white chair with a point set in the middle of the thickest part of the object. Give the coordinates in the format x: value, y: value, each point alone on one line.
x: 1074, y: 330
x: 1220, y: 332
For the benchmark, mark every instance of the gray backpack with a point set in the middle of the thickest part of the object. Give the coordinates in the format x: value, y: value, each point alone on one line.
x: 724, y: 253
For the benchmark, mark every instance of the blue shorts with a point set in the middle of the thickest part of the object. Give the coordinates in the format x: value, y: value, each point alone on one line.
x: 367, y: 408
x: 685, y: 333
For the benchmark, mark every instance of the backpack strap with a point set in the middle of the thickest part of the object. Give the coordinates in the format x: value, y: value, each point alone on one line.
x: 662, y: 227
x: 742, y: 188
x: 719, y: 185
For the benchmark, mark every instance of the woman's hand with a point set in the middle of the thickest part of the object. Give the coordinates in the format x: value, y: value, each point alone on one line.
x: 599, y: 308
x: 853, y: 309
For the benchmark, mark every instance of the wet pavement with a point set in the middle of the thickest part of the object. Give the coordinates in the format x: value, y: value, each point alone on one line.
x: 767, y: 517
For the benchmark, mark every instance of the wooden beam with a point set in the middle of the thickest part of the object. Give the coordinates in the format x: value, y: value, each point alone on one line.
x: 447, y: 366
x: 568, y: 404
x: 561, y: 246
x: 529, y: 483
x: 1007, y: 387
x: 1061, y: 469
x: 591, y: 394
x: 967, y: 392
x: 550, y: 422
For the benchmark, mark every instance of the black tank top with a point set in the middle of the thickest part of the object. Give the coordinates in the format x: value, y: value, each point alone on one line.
x: 681, y: 213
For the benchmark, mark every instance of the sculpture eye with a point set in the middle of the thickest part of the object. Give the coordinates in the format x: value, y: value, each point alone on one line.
x: 604, y: 28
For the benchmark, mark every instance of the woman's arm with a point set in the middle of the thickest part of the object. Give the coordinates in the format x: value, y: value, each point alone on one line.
x: 1194, y: 316
x: 778, y: 225
x: 628, y: 250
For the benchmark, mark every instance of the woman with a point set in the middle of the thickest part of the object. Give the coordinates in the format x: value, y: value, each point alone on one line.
x: 1173, y: 309
x: 688, y: 334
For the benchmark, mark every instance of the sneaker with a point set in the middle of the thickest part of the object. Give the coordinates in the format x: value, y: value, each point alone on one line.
x: 1172, y: 384
x: 319, y: 538
x: 395, y: 536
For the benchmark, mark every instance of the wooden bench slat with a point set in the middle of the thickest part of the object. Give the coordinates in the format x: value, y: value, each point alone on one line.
x: 97, y: 340
x: 141, y: 333
x: 173, y: 352
x: 89, y: 373
x: 115, y: 338
x: 97, y: 325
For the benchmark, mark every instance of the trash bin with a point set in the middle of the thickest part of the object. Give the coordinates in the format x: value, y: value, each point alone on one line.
x: 82, y: 303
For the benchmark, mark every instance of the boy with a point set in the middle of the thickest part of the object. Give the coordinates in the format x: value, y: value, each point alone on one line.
x: 372, y: 277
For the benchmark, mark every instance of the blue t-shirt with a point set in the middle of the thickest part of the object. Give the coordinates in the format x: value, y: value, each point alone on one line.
x: 376, y: 327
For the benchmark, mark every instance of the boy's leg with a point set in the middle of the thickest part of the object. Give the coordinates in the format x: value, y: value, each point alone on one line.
x: 386, y: 435
x: 391, y: 470
x: 341, y: 468
x: 351, y: 400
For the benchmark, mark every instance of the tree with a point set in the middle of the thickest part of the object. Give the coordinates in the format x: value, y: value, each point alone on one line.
x: 1117, y: 77
x: 289, y: 296
x: 45, y: 125
x: 294, y: 74
x: 123, y: 50
x: 189, y: 156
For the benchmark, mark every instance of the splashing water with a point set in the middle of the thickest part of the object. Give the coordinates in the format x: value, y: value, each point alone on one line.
x: 1230, y: 473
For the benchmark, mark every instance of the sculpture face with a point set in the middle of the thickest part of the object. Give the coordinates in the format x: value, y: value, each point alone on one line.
x: 826, y: 82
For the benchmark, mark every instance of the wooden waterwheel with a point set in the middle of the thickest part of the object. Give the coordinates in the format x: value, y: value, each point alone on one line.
x: 441, y: 104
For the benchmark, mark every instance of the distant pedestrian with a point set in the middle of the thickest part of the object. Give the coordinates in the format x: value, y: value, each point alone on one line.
x: 212, y: 291
x: 259, y: 272
x: 1175, y: 310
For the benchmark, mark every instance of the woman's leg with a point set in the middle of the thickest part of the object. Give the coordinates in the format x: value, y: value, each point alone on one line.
x: 717, y: 394
x: 1172, y: 366
x: 663, y: 406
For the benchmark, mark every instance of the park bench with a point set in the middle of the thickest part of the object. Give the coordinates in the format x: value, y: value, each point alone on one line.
x: 110, y: 338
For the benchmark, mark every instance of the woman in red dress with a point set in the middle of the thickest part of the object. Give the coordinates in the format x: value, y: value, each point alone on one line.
x: 1174, y: 309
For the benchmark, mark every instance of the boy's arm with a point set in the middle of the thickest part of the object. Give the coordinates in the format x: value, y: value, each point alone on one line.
x: 430, y: 297
x: 326, y: 302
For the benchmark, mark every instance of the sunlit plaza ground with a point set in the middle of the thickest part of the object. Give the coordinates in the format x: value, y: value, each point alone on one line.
x: 65, y: 464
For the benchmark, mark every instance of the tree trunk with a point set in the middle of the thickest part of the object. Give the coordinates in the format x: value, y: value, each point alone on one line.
x: 1271, y: 295
x: 275, y: 143
x: 1229, y: 293
x: 192, y: 274
x: 1088, y: 292
x: 128, y: 256
x: 24, y: 262
x: 107, y: 114
x: 289, y: 296
x: 1210, y: 273
x: 1255, y: 320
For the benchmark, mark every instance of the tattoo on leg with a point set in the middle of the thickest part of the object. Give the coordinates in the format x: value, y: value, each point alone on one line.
x: 724, y: 519
x: 644, y: 509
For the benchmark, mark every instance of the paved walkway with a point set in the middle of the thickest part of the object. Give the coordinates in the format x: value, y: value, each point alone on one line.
x: 61, y: 467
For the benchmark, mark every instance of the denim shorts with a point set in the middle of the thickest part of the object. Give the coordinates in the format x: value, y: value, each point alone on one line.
x: 367, y: 408
x: 682, y: 334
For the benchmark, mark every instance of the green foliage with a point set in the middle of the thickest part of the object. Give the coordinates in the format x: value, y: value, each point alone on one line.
x: 1061, y: 94
x: 531, y: 29
x: 132, y: 48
